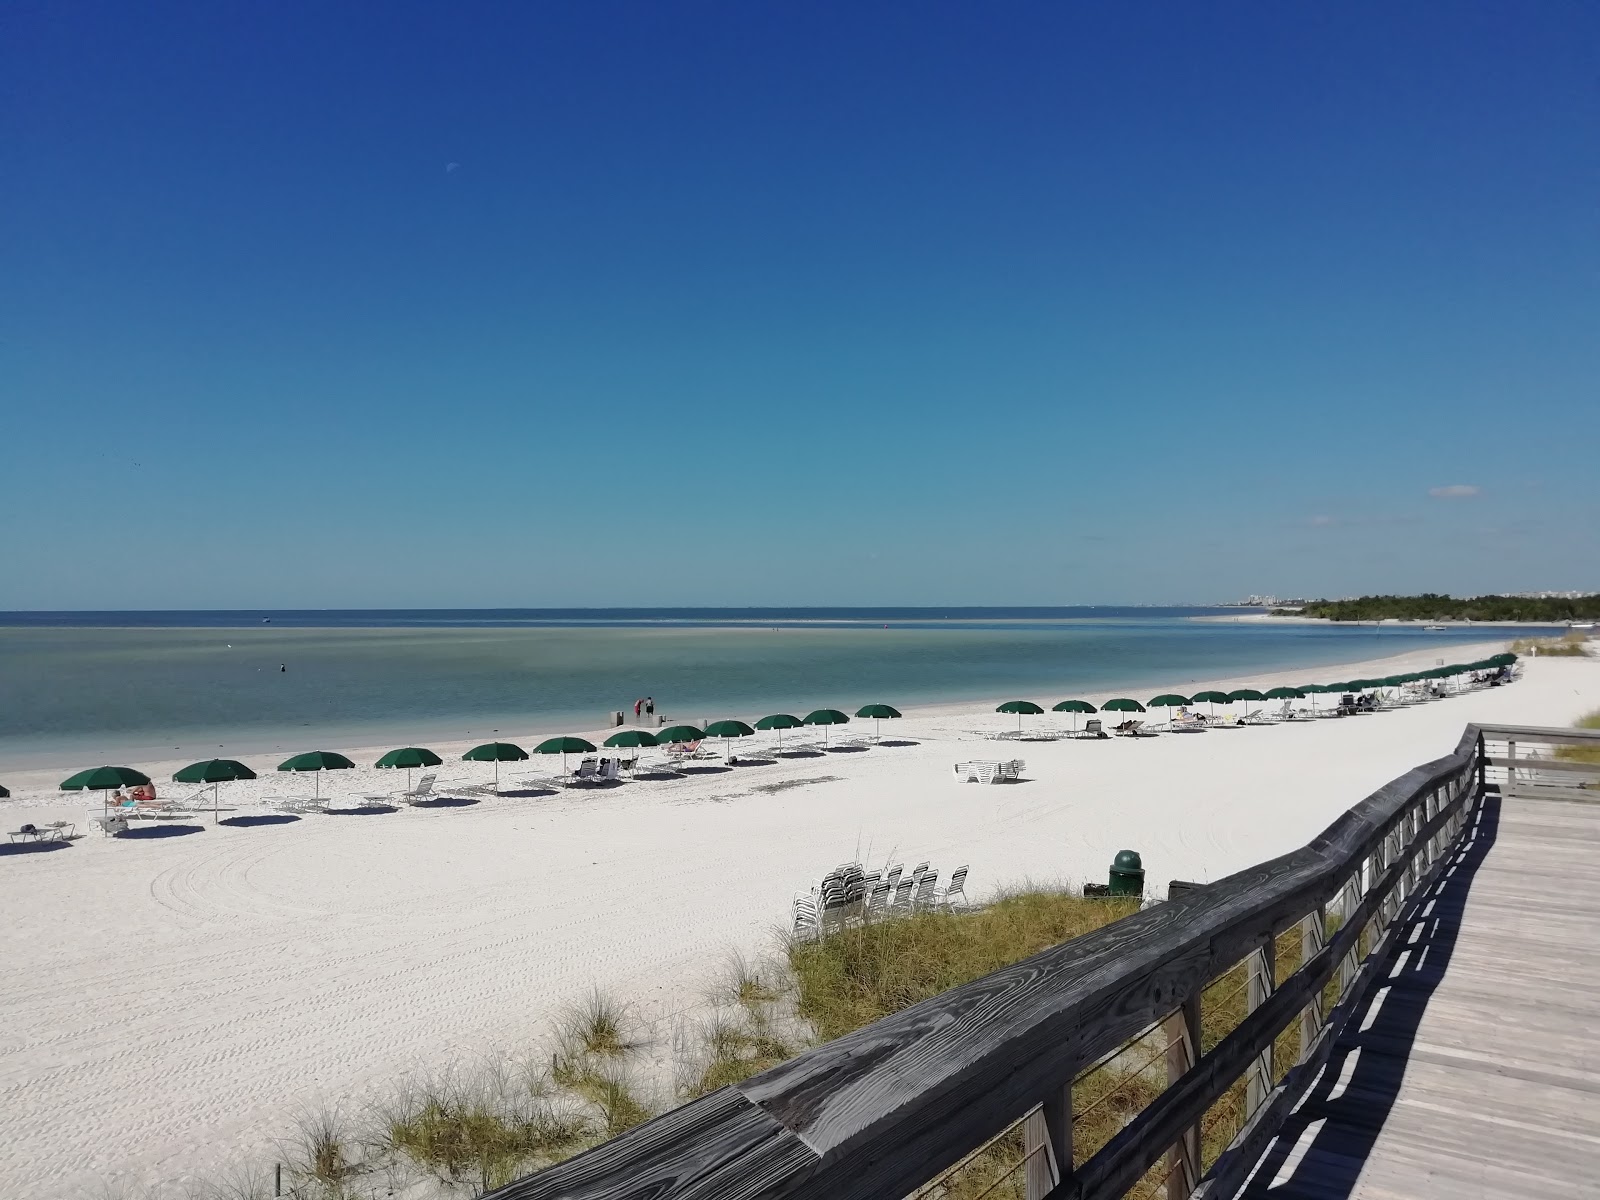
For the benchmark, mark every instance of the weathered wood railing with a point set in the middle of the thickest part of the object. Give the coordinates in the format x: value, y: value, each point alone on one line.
x: 885, y: 1110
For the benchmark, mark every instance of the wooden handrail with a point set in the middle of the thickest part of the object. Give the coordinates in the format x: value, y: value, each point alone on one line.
x: 887, y: 1108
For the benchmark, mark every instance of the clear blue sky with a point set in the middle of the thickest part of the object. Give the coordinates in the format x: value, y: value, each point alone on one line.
x: 729, y: 303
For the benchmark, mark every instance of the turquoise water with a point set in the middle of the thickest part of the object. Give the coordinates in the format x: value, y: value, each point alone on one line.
x: 101, y: 690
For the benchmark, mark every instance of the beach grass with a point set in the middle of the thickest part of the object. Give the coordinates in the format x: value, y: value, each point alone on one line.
x: 1584, y: 754
x: 1573, y: 644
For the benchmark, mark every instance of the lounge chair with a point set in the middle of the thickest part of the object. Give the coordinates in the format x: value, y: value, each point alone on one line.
x: 977, y: 771
x: 1012, y: 770
x: 958, y: 883
x: 901, y: 905
x: 110, y: 824
x: 806, y: 922
x: 1129, y: 728
x: 927, y: 890
x: 28, y: 833
x: 1092, y: 728
x: 422, y: 791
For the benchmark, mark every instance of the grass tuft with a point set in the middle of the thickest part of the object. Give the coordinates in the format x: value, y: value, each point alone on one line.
x: 1584, y: 754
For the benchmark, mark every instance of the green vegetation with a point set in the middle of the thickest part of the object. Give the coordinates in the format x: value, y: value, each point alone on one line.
x: 1432, y: 607
x: 1585, y: 754
x: 1572, y: 644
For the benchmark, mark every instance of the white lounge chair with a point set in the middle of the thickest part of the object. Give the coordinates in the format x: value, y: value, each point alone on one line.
x: 957, y: 888
x: 1012, y: 770
x: 422, y: 791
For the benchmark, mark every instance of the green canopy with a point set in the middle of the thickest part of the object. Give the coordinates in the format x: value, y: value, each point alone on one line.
x: 1020, y: 707
x: 826, y: 717
x: 728, y: 729
x: 1211, y: 697
x: 104, y: 779
x: 1074, y: 707
x: 1245, y: 694
x: 564, y: 746
x: 1170, y: 700
x: 1392, y: 681
x: 317, y: 761
x: 1122, y: 704
x: 1285, y: 693
x: 497, y: 753
x: 779, y: 721
x: 633, y: 738
x: 878, y: 712
x: 409, y: 758
x: 674, y: 734
x: 1336, y: 687
x: 214, y: 771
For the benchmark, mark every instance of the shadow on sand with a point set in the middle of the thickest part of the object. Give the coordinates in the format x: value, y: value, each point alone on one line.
x: 263, y: 819
x: 445, y: 802
x: 364, y: 810
x: 159, y: 831
x: 32, y: 847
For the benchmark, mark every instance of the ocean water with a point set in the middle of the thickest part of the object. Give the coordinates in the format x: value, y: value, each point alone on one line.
x: 144, y: 686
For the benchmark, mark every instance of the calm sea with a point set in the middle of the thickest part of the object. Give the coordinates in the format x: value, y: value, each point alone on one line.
x: 144, y: 685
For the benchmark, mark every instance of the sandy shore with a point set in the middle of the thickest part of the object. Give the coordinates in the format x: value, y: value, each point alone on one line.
x: 170, y: 1003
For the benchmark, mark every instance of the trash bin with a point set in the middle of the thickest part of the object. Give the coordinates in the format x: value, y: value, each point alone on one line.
x: 616, y: 717
x: 1127, y: 874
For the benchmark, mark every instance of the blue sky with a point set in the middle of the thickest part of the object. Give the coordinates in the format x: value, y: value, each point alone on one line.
x: 704, y: 303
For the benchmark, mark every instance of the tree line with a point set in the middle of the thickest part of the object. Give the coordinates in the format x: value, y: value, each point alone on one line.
x: 1431, y: 606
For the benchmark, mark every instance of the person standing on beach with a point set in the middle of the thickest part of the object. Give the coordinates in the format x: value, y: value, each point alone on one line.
x: 649, y: 706
x: 637, y: 704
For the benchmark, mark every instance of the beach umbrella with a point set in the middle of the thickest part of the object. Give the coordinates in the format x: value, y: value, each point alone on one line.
x: 1021, y: 708
x: 780, y: 722
x: 410, y: 758
x: 878, y: 712
x: 1247, y: 695
x: 631, y: 739
x: 497, y: 753
x: 727, y: 730
x: 826, y: 717
x: 564, y: 746
x: 1169, y: 701
x: 1285, y: 693
x: 317, y: 761
x: 1211, y: 698
x: 1314, y: 690
x: 1074, y: 707
x: 674, y: 734
x: 214, y: 771
x: 1122, y: 704
x: 104, y: 779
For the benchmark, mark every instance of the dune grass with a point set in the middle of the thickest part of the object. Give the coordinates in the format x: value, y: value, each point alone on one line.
x: 1584, y: 754
x: 1572, y: 644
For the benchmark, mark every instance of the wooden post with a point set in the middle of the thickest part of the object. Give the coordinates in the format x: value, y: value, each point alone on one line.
x: 1047, y: 1141
x: 1349, y: 900
x: 1313, y: 936
x: 1511, y: 770
x: 1182, y: 1033
x: 1262, y: 965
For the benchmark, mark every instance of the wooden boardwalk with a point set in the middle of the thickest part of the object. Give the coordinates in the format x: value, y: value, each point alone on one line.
x: 1475, y: 1069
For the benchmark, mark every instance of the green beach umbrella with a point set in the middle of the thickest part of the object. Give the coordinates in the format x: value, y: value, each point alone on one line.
x: 214, y: 771
x: 104, y: 779
x: 1074, y: 707
x: 1169, y: 701
x: 728, y: 729
x: 826, y: 717
x: 878, y: 712
x: 564, y: 746
x: 1247, y: 695
x: 675, y: 734
x: 1213, y: 698
x: 497, y: 753
x: 1122, y: 704
x: 1021, y: 708
x: 1285, y: 693
x: 409, y: 758
x: 631, y: 739
x: 317, y: 761
x: 780, y: 722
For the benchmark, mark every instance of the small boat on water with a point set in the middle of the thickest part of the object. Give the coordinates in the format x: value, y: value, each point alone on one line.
x: 1434, y: 628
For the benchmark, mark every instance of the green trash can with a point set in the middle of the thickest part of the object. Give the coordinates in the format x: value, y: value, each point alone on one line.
x: 1127, y: 874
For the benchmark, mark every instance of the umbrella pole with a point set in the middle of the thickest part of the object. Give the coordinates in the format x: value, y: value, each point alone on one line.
x: 497, y: 776
x: 216, y: 803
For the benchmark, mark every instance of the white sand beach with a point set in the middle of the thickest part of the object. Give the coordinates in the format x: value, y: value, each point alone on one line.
x: 170, y: 1003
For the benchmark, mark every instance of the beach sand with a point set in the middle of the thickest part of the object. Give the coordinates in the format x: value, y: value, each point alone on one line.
x: 170, y: 1003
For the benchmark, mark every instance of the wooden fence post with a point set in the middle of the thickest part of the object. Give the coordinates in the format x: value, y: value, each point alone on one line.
x: 1047, y: 1142
x: 1262, y: 965
x: 1182, y: 1032
x: 1313, y: 936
